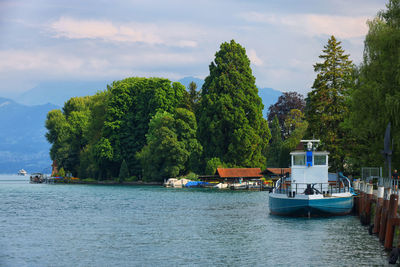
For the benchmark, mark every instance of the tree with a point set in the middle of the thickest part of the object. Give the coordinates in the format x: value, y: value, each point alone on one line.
x: 212, y: 165
x: 286, y: 102
x: 298, y: 127
x: 123, y: 172
x: 376, y: 97
x: 171, y: 148
x: 231, y: 126
x: 194, y: 94
x: 131, y: 105
x: 275, y: 146
x: 326, y: 105
x: 66, y: 133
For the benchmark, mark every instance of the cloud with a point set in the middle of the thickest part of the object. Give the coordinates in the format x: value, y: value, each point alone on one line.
x: 254, y: 58
x: 314, y: 24
x: 71, y: 28
x: 98, y: 64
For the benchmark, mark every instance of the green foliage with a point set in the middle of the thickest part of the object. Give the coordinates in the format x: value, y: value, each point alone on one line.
x: 298, y: 128
x: 326, y: 105
x: 61, y: 172
x: 281, y: 109
x: 376, y: 98
x: 123, y: 172
x: 172, y: 148
x: 66, y: 131
x: 231, y: 126
x: 131, y: 179
x: 212, y: 165
x: 132, y: 103
x: 275, y: 146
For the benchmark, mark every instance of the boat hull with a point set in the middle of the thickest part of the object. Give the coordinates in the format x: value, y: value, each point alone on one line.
x: 306, y: 206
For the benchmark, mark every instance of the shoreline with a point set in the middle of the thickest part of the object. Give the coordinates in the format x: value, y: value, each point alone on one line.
x: 109, y: 182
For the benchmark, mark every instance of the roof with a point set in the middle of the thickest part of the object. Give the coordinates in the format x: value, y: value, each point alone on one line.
x: 277, y: 171
x: 239, y: 172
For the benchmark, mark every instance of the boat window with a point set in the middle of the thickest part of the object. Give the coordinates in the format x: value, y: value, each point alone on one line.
x: 319, y: 160
x: 299, y: 160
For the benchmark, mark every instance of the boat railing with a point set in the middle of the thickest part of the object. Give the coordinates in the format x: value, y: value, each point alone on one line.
x: 293, y: 189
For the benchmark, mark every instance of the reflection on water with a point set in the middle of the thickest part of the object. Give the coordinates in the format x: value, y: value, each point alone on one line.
x: 81, y: 225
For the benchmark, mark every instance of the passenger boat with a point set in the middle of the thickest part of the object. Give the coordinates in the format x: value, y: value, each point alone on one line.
x: 307, y: 192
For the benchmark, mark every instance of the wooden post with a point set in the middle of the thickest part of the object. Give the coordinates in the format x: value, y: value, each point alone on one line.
x: 361, y: 201
x: 382, y: 230
x: 378, y: 210
x: 368, y: 203
x: 394, y: 200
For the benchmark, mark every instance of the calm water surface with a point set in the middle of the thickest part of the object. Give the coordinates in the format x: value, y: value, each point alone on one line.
x: 83, y: 225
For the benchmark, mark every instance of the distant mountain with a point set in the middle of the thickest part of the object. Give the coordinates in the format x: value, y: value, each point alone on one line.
x: 59, y: 92
x: 187, y: 80
x: 22, y: 140
x: 269, y: 97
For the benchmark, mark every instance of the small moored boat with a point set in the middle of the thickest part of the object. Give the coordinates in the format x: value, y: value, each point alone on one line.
x: 37, y: 178
x: 308, y: 192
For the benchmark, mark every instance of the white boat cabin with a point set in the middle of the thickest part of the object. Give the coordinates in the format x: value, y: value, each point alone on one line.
x: 309, y: 167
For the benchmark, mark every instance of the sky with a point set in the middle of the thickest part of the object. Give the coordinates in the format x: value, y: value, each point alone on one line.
x: 98, y: 40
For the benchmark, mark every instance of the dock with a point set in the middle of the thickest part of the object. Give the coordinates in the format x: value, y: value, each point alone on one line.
x: 377, y: 206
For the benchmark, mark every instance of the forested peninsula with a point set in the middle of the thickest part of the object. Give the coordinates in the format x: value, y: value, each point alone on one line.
x: 152, y: 129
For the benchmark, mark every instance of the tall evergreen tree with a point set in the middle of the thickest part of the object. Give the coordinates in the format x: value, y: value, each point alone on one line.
x: 231, y: 126
x: 326, y: 105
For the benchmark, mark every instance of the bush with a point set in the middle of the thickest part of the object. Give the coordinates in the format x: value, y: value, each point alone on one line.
x: 61, y: 172
x: 89, y: 180
x: 191, y: 176
x: 131, y: 179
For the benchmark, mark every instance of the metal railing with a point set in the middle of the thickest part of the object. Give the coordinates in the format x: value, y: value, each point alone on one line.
x: 293, y: 189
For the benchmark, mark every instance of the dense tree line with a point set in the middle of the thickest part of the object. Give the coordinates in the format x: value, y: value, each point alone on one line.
x: 148, y: 127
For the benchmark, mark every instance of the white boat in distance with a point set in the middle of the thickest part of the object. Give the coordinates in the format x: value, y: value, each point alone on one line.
x: 22, y: 172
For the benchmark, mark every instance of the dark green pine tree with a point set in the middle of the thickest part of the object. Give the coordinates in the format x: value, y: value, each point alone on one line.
x: 275, y: 146
x: 231, y: 126
x: 326, y: 105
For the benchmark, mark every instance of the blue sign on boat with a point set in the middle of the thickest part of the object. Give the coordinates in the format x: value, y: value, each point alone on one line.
x: 309, y: 158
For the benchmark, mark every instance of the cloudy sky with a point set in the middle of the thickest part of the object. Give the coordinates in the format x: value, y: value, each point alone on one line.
x: 98, y: 40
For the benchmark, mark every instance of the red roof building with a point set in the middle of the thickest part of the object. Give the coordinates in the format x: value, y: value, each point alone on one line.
x: 232, y: 175
x: 239, y: 173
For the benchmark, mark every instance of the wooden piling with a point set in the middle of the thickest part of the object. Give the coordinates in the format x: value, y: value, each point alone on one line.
x: 369, y: 195
x: 378, y: 210
x: 390, y: 226
x: 361, y: 201
x: 382, y: 230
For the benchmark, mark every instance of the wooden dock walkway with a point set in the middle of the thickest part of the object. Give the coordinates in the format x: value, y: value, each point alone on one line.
x: 378, y: 209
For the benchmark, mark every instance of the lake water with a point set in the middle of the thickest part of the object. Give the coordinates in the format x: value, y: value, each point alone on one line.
x: 87, y: 225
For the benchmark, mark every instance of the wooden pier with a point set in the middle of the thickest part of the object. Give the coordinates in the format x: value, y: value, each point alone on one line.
x: 378, y: 209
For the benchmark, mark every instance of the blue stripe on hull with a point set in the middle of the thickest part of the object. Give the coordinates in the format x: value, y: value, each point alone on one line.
x: 316, y: 207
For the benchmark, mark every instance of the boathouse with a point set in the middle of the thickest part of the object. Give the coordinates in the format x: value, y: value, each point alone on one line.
x: 276, y: 173
x: 232, y: 175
